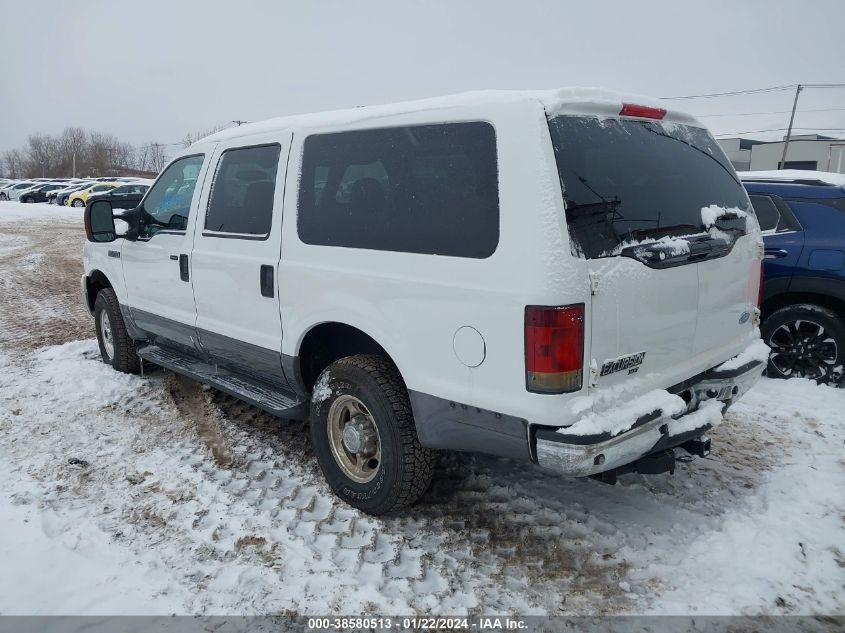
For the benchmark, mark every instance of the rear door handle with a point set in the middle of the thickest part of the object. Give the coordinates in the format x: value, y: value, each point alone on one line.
x: 266, y: 280
x: 775, y: 253
x: 183, y: 267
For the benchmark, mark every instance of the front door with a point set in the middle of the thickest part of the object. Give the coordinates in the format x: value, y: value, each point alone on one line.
x: 156, y: 267
x: 235, y: 261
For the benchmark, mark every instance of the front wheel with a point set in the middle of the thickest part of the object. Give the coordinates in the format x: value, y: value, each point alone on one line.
x: 78, y: 203
x: 807, y: 341
x: 364, y: 435
x: 116, y: 347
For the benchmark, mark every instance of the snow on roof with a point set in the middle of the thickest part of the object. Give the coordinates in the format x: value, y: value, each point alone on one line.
x: 793, y: 175
x: 558, y: 101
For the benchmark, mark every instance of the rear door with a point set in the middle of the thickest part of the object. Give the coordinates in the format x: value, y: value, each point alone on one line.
x: 670, y: 292
x: 783, y: 239
x: 236, y: 256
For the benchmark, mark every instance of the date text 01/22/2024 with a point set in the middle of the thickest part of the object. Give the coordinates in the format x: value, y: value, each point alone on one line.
x: 416, y: 623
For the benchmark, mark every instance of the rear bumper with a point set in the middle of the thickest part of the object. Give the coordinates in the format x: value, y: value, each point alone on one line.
x: 582, y: 456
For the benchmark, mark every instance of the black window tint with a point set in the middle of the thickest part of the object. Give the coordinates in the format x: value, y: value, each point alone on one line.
x: 627, y: 181
x: 429, y: 189
x: 242, y: 192
x: 169, y: 201
x: 118, y: 190
x: 767, y: 213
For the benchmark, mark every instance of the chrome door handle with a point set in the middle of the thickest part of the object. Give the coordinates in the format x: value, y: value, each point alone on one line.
x: 775, y: 253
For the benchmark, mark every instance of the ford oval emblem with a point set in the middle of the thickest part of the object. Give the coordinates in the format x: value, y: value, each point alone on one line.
x: 744, y: 317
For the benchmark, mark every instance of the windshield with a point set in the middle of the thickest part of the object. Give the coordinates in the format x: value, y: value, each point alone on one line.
x: 627, y: 181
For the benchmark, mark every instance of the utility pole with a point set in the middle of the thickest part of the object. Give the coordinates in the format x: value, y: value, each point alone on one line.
x: 798, y: 90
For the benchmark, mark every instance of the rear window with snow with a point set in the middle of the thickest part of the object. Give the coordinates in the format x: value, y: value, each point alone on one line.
x: 627, y: 181
x: 429, y: 189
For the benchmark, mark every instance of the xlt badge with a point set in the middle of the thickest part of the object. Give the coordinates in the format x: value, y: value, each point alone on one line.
x: 631, y: 362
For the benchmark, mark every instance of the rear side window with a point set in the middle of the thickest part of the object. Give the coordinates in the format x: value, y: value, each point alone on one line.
x: 767, y: 213
x: 242, y: 193
x: 626, y: 181
x: 429, y: 189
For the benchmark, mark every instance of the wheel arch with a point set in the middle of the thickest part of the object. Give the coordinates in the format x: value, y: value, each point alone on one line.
x: 324, y: 343
x: 95, y: 281
x: 785, y: 299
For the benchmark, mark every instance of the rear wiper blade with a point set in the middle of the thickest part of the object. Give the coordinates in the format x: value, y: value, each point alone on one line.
x: 668, y: 254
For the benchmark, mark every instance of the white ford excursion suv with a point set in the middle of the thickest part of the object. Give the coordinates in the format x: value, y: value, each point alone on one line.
x: 568, y: 278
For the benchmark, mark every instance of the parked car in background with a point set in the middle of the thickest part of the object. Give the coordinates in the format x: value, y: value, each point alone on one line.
x: 39, y: 193
x: 13, y: 192
x: 124, y: 197
x: 802, y: 216
x: 59, y: 196
x: 80, y: 197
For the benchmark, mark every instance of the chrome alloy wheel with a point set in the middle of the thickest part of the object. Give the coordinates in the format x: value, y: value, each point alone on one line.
x: 106, y: 332
x: 354, y: 438
x: 803, y: 348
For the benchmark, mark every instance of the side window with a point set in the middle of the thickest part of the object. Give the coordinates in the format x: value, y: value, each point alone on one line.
x: 767, y: 213
x: 429, y: 189
x: 242, y: 192
x: 169, y: 201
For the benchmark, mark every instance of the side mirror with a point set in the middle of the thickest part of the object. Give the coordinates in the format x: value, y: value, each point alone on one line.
x: 99, y: 222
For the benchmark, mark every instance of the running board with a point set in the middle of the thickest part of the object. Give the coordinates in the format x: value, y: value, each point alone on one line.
x: 273, y: 400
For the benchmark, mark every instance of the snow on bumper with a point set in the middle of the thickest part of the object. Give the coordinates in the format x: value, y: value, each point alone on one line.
x: 706, y: 398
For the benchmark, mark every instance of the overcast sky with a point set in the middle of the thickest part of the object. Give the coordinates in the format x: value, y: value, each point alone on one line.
x: 154, y: 70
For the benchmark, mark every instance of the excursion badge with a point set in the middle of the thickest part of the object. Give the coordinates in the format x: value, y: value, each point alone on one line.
x: 631, y: 362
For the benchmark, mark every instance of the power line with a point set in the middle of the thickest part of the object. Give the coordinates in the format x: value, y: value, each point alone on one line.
x: 734, y: 93
x: 783, y: 129
x: 704, y: 116
x: 754, y: 91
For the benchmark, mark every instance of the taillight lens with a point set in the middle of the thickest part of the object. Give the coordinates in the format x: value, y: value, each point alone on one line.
x: 554, y: 348
x: 760, y: 289
x: 646, y: 112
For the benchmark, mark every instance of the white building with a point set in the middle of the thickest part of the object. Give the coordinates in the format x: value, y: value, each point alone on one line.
x: 806, y: 151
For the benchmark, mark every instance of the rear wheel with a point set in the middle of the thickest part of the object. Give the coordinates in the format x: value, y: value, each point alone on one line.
x: 807, y: 341
x: 78, y: 203
x: 27, y: 200
x: 364, y: 435
x: 116, y: 347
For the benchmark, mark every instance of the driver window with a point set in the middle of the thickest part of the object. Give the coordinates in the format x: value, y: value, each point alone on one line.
x: 168, y: 202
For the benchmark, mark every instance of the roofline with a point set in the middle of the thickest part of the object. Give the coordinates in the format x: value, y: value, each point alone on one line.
x: 596, y: 101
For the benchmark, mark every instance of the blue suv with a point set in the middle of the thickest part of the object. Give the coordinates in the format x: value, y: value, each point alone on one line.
x: 803, y: 311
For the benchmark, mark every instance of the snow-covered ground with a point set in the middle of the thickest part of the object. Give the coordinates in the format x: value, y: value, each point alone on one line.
x: 129, y: 495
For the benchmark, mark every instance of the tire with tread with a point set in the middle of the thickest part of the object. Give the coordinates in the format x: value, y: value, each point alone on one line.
x: 829, y: 320
x: 406, y: 467
x: 125, y: 359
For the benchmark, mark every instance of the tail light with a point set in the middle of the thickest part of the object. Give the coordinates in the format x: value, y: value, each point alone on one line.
x: 554, y: 348
x: 760, y: 289
x: 645, y: 112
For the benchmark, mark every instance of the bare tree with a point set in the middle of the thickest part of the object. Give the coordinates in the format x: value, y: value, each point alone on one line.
x: 190, y: 139
x: 13, y: 163
x: 151, y: 157
x: 76, y: 152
